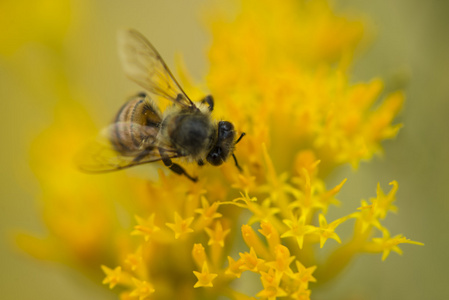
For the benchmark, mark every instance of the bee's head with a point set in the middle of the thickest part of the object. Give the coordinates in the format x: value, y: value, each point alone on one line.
x: 224, y: 144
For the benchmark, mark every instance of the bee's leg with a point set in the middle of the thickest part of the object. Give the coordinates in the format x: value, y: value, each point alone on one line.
x: 175, y: 167
x: 236, y: 163
x: 209, y: 100
x: 200, y: 162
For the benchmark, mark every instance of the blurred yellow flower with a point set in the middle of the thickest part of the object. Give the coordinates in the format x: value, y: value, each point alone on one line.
x: 280, y: 73
x: 25, y: 21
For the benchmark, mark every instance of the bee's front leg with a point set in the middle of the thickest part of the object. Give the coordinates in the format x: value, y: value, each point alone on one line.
x: 175, y: 167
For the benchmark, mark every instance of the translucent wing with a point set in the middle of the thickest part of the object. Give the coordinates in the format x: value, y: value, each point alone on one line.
x: 144, y: 65
x: 116, y: 148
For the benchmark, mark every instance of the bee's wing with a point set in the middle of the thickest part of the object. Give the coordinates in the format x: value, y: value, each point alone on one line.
x: 144, y: 65
x: 101, y: 155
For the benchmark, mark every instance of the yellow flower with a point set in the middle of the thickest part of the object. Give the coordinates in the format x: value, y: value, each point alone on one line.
x: 217, y: 236
x: 145, y: 227
x: 181, y: 226
x: 387, y: 244
x: 112, y: 276
x: 298, y: 229
x: 204, y: 278
x: 328, y: 230
x: 270, y: 281
x: 26, y: 21
x: 280, y: 73
x: 143, y: 289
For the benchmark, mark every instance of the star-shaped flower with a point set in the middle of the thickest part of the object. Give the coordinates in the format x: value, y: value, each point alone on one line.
x: 298, y: 229
x: 181, y: 226
x: 145, y: 227
x: 112, y: 276
x: 142, y: 289
x: 204, y: 278
x: 217, y: 235
x: 327, y: 231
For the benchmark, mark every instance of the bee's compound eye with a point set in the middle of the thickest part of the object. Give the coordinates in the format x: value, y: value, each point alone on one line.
x: 214, y: 157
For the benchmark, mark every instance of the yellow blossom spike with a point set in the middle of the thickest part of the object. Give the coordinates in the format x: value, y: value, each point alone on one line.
x: 145, y: 227
x: 112, y: 276
x: 204, y: 278
x: 181, y: 226
x: 327, y: 231
x: 142, y: 289
x: 253, y: 241
x: 298, y: 229
x: 217, y: 235
x: 303, y: 115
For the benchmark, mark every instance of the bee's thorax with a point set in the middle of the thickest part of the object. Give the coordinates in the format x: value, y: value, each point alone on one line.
x: 191, y: 134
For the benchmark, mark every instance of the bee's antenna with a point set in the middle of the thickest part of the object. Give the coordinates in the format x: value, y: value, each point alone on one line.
x: 238, y: 140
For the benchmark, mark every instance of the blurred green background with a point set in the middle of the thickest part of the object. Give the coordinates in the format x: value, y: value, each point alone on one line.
x: 411, y: 47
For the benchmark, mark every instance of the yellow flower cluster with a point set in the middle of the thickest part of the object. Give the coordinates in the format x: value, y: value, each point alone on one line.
x: 280, y: 74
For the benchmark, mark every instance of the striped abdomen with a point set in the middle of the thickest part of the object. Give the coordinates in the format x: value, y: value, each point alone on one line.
x: 136, y: 126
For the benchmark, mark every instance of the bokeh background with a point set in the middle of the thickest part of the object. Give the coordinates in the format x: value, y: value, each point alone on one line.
x: 408, y: 46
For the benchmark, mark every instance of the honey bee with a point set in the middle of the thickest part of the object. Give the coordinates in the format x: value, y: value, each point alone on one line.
x: 141, y: 133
